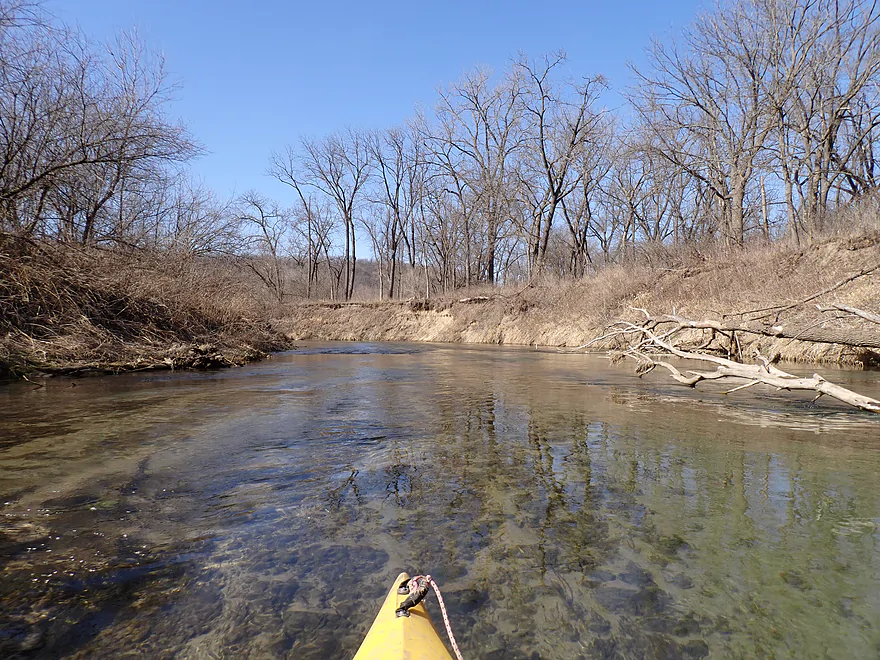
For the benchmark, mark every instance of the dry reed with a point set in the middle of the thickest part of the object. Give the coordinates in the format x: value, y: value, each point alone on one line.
x: 67, y: 309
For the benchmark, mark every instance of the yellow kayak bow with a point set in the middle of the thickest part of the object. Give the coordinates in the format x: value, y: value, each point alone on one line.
x: 402, y: 638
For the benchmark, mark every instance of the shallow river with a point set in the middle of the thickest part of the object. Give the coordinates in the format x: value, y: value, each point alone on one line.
x: 566, y: 508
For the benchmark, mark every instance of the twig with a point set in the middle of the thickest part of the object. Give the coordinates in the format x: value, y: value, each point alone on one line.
x: 38, y: 385
x: 783, y: 308
x: 742, y: 387
x: 836, y: 307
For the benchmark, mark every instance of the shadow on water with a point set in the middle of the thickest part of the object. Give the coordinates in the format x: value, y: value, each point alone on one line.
x: 566, y: 509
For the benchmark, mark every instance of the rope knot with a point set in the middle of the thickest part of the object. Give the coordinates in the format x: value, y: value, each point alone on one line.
x: 417, y: 588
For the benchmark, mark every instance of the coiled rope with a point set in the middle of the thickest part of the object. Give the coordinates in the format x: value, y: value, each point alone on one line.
x: 417, y: 587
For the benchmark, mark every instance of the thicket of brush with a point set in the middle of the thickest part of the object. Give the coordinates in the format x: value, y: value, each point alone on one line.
x: 67, y: 309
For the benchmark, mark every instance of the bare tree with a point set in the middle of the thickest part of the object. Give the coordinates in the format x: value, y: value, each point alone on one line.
x: 479, y: 135
x: 75, y: 124
x: 582, y: 209
x: 829, y: 52
x: 709, y: 106
x: 397, y: 167
x: 270, y: 225
x: 315, y: 224
x: 194, y: 222
x: 560, y: 120
x: 338, y: 166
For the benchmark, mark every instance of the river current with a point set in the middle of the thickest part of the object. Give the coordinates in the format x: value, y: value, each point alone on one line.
x: 566, y: 508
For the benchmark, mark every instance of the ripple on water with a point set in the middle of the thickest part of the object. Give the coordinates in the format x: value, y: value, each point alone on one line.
x: 264, y: 512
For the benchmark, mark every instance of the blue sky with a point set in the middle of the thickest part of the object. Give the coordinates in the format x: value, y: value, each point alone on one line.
x: 257, y: 75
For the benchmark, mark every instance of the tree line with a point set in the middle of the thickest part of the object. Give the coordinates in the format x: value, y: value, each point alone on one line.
x: 754, y: 123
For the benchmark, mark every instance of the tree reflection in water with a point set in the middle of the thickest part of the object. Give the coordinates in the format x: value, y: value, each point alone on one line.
x: 563, y: 519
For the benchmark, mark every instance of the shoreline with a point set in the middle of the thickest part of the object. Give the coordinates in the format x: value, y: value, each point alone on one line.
x: 131, y: 358
x: 145, y: 313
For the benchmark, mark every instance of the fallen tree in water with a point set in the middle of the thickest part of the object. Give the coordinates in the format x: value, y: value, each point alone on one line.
x: 853, y: 337
x: 732, y: 341
x: 645, y: 344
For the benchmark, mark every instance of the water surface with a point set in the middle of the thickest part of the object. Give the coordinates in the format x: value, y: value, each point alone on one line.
x: 567, y: 509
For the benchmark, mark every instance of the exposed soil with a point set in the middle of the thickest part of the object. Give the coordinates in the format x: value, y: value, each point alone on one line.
x: 695, y: 285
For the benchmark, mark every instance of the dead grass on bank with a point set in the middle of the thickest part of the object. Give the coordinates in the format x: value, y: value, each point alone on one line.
x: 726, y: 284
x: 693, y: 282
x: 68, y: 309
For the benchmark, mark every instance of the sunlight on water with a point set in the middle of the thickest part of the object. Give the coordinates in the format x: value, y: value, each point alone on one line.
x: 566, y: 508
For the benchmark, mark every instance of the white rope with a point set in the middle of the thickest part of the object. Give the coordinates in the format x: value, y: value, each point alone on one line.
x: 445, y: 617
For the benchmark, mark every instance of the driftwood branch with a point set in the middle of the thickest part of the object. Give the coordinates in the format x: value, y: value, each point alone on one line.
x: 779, y: 309
x: 643, y: 336
x: 836, y: 307
x: 812, y: 333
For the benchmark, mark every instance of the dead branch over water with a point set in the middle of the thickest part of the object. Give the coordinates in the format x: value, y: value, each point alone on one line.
x: 655, y: 336
x: 762, y: 373
x: 809, y: 333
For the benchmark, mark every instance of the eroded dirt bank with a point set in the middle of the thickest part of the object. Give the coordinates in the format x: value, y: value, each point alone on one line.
x: 569, y: 314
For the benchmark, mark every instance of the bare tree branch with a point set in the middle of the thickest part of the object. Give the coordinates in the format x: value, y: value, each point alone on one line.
x: 837, y: 307
x: 764, y: 373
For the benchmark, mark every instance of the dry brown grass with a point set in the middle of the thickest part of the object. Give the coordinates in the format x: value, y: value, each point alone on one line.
x: 693, y: 282
x: 68, y: 309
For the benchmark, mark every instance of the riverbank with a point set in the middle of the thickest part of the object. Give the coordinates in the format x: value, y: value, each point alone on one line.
x: 71, y: 310
x: 693, y: 284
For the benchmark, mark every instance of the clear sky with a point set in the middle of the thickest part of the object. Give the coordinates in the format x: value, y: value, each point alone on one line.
x: 257, y: 75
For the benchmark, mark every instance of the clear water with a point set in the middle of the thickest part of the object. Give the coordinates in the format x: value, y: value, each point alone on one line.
x: 566, y: 508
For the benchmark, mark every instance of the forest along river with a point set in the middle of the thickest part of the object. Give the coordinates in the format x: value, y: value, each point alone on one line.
x: 566, y: 508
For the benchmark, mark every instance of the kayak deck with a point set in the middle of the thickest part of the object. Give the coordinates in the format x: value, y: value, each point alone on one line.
x: 410, y: 638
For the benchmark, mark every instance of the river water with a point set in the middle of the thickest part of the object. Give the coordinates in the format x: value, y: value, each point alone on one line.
x: 566, y: 508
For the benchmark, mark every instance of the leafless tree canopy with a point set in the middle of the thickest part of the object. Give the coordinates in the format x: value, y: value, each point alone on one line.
x: 752, y: 124
x: 83, y: 137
